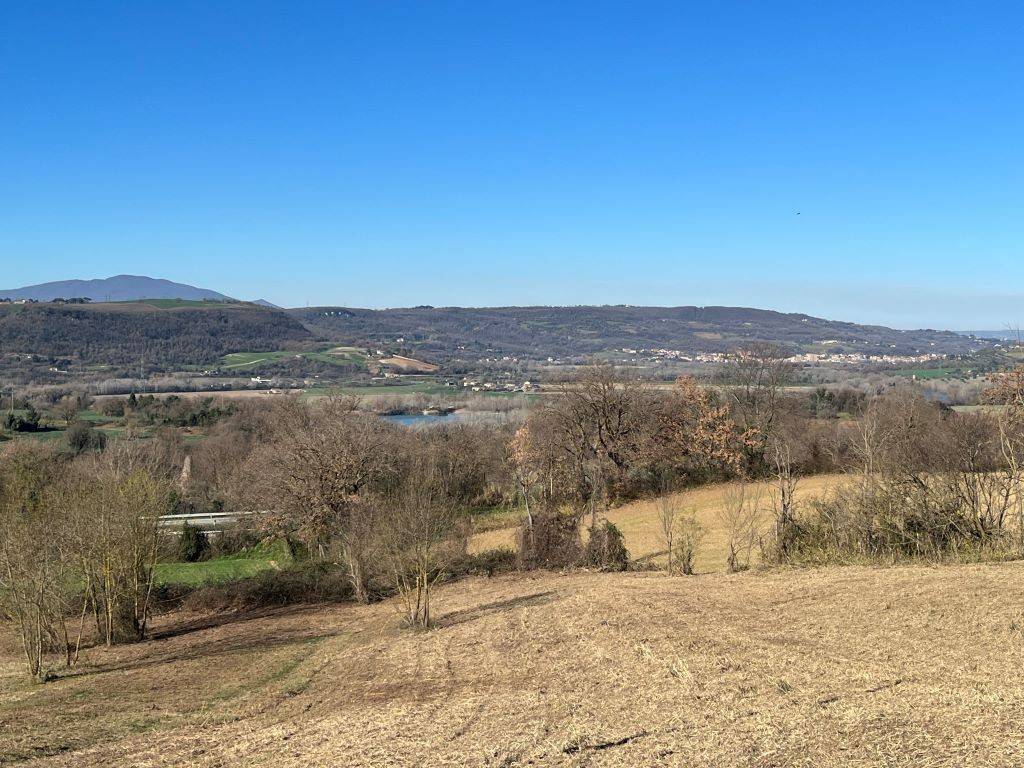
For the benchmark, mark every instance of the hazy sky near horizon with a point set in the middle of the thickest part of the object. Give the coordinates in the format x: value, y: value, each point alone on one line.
x: 858, y: 161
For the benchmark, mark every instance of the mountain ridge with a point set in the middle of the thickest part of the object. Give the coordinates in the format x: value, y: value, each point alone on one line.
x: 115, y: 288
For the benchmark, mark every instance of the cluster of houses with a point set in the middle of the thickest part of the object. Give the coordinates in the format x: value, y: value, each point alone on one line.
x: 858, y: 358
x: 675, y: 354
x: 835, y: 358
x: 474, y: 385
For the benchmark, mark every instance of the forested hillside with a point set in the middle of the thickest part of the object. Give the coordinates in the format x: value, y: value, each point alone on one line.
x: 542, y: 331
x: 122, y: 334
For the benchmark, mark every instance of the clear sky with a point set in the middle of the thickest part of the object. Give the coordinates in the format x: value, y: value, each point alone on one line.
x: 854, y: 160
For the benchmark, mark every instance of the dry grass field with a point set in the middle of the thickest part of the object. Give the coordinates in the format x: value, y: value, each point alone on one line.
x: 909, y: 666
x: 409, y: 365
x: 642, y: 532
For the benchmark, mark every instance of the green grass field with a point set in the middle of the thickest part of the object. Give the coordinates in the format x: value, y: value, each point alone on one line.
x: 95, y: 417
x: 210, y: 572
x: 222, y: 569
x: 331, y: 356
x: 48, y: 436
x: 929, y: 373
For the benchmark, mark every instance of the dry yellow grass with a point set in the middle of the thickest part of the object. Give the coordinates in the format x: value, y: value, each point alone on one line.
x: 642, y: 532
x: 855, y: 666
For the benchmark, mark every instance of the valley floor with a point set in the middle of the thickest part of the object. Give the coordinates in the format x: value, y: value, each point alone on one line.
x: 908, y: 666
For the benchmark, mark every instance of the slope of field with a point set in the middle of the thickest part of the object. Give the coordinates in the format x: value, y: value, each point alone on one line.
x: 408, y: 364
x: 641, y: 529
x: 441, y: 333
x: 844, y: 667
x: 340, y: 356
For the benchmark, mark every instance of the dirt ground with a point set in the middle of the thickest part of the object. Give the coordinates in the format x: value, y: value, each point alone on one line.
x: 641, y: 530
x: 858, y: 666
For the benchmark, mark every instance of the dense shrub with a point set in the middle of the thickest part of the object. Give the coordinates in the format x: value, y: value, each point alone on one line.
x: 309, y: 582
x: 27, y: 422
x: 193, y: 544
x: 605, y: 548
x: 888, y: 520
x: 82, y: 438
x: 552, y: 542
x: 235, y: 539
x: 488, y: 563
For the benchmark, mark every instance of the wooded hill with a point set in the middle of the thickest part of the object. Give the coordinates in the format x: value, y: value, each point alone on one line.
x: 167, y: 333
x: 539, y: 332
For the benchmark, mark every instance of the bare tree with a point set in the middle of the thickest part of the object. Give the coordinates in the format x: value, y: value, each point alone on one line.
x: 67, y: 409
x: 740, y: 517
x: 1007, y: 397
x: 35, y: 579
x: 668, y: 516
x: 601, y: 424
x: 312, y: 472
x: 689, y: 535
x: 112, y: 504
x: 416, y: 526
x: 755, y: 380
x: 783, y: 496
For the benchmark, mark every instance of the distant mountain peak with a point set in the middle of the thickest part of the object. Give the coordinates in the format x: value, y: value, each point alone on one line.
x: 116, y: 288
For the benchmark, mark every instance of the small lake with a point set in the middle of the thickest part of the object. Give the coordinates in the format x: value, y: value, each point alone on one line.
x: 458, y: 417
x: 424, y: 419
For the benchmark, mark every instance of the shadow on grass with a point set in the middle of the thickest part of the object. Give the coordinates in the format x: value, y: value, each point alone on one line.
x: 471, y: 614
x: 242, y: 639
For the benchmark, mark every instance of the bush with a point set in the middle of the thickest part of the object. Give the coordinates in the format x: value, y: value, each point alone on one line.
x: 27, y: 423
x: 82, y: 437
x: 234, y: 540
x: 310, y: 582
x: 606, y: 549
x: 487, y: 563
x: 689, y: 535
x: 193, y: 544
x: 552, y: 542
x: 886, y: 521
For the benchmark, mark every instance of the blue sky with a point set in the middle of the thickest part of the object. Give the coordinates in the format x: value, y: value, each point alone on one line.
x: 483, y: 153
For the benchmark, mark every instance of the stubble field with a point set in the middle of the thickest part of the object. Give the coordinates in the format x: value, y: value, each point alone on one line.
x: 909, y: 666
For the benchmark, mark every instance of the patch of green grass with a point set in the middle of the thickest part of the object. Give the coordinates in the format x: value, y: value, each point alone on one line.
x: 48, y: 436
x: 209, y: 571
x: 94, y: 416
x: 223, y: 569
x: 929, y: 373
x: 330, y: 356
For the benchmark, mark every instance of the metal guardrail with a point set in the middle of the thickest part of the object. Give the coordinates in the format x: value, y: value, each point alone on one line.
x: 205, y: 519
